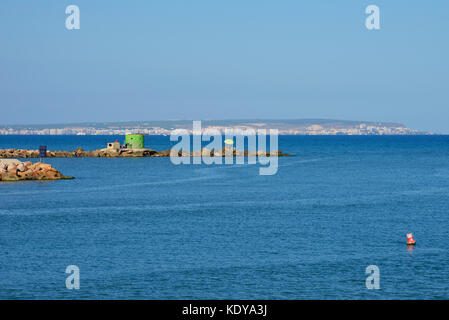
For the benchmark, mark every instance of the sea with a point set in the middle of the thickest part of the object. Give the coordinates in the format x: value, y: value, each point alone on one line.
x: 144, y: 228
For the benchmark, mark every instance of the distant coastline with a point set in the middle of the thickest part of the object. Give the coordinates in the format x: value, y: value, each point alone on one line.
x: 285, y: 127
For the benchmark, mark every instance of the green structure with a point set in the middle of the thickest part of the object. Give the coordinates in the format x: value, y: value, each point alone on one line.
x: 135, y: 141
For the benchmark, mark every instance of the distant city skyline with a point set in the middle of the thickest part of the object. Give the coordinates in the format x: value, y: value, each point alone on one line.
x: 284, y: 127
x: 230, y: 59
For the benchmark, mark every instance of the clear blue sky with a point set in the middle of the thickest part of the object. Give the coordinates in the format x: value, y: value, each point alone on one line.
x: 217, y: 59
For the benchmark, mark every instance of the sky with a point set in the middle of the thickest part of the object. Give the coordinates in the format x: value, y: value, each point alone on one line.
x: 215, y: 59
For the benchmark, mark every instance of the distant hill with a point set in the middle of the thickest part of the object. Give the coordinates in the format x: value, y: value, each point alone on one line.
x: 170, y: 124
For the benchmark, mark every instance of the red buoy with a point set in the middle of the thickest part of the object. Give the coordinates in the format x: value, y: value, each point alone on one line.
x: 410, y: 240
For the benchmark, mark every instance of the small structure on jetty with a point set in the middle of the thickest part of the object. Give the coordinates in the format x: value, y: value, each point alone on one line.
x: 132, y: 142
x: 113, y: 146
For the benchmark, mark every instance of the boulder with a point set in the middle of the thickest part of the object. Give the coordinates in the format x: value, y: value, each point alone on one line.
x: 174, y: 153
x: 12, y: 167
x: 8, y: 177
x: 205, y: 152
x: 217, y: 153
x: 25, y: 175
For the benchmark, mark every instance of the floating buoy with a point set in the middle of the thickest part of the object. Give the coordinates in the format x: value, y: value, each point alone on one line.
x: 229, y: 141
x: 410, y: 240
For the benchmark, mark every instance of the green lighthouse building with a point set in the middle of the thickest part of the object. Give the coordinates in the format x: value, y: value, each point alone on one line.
x: 135, y: 141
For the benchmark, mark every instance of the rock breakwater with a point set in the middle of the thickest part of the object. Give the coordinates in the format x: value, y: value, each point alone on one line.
x: 15, y: 170
x: 129, y: 153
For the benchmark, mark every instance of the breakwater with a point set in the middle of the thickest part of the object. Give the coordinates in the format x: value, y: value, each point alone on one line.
x: 129, y: 153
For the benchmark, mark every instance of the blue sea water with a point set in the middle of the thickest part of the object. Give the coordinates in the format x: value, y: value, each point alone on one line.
x: 143, y: 228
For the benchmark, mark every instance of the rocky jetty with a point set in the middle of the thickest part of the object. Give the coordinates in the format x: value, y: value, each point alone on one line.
x: 130, y: 153
x: 15, y: 170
